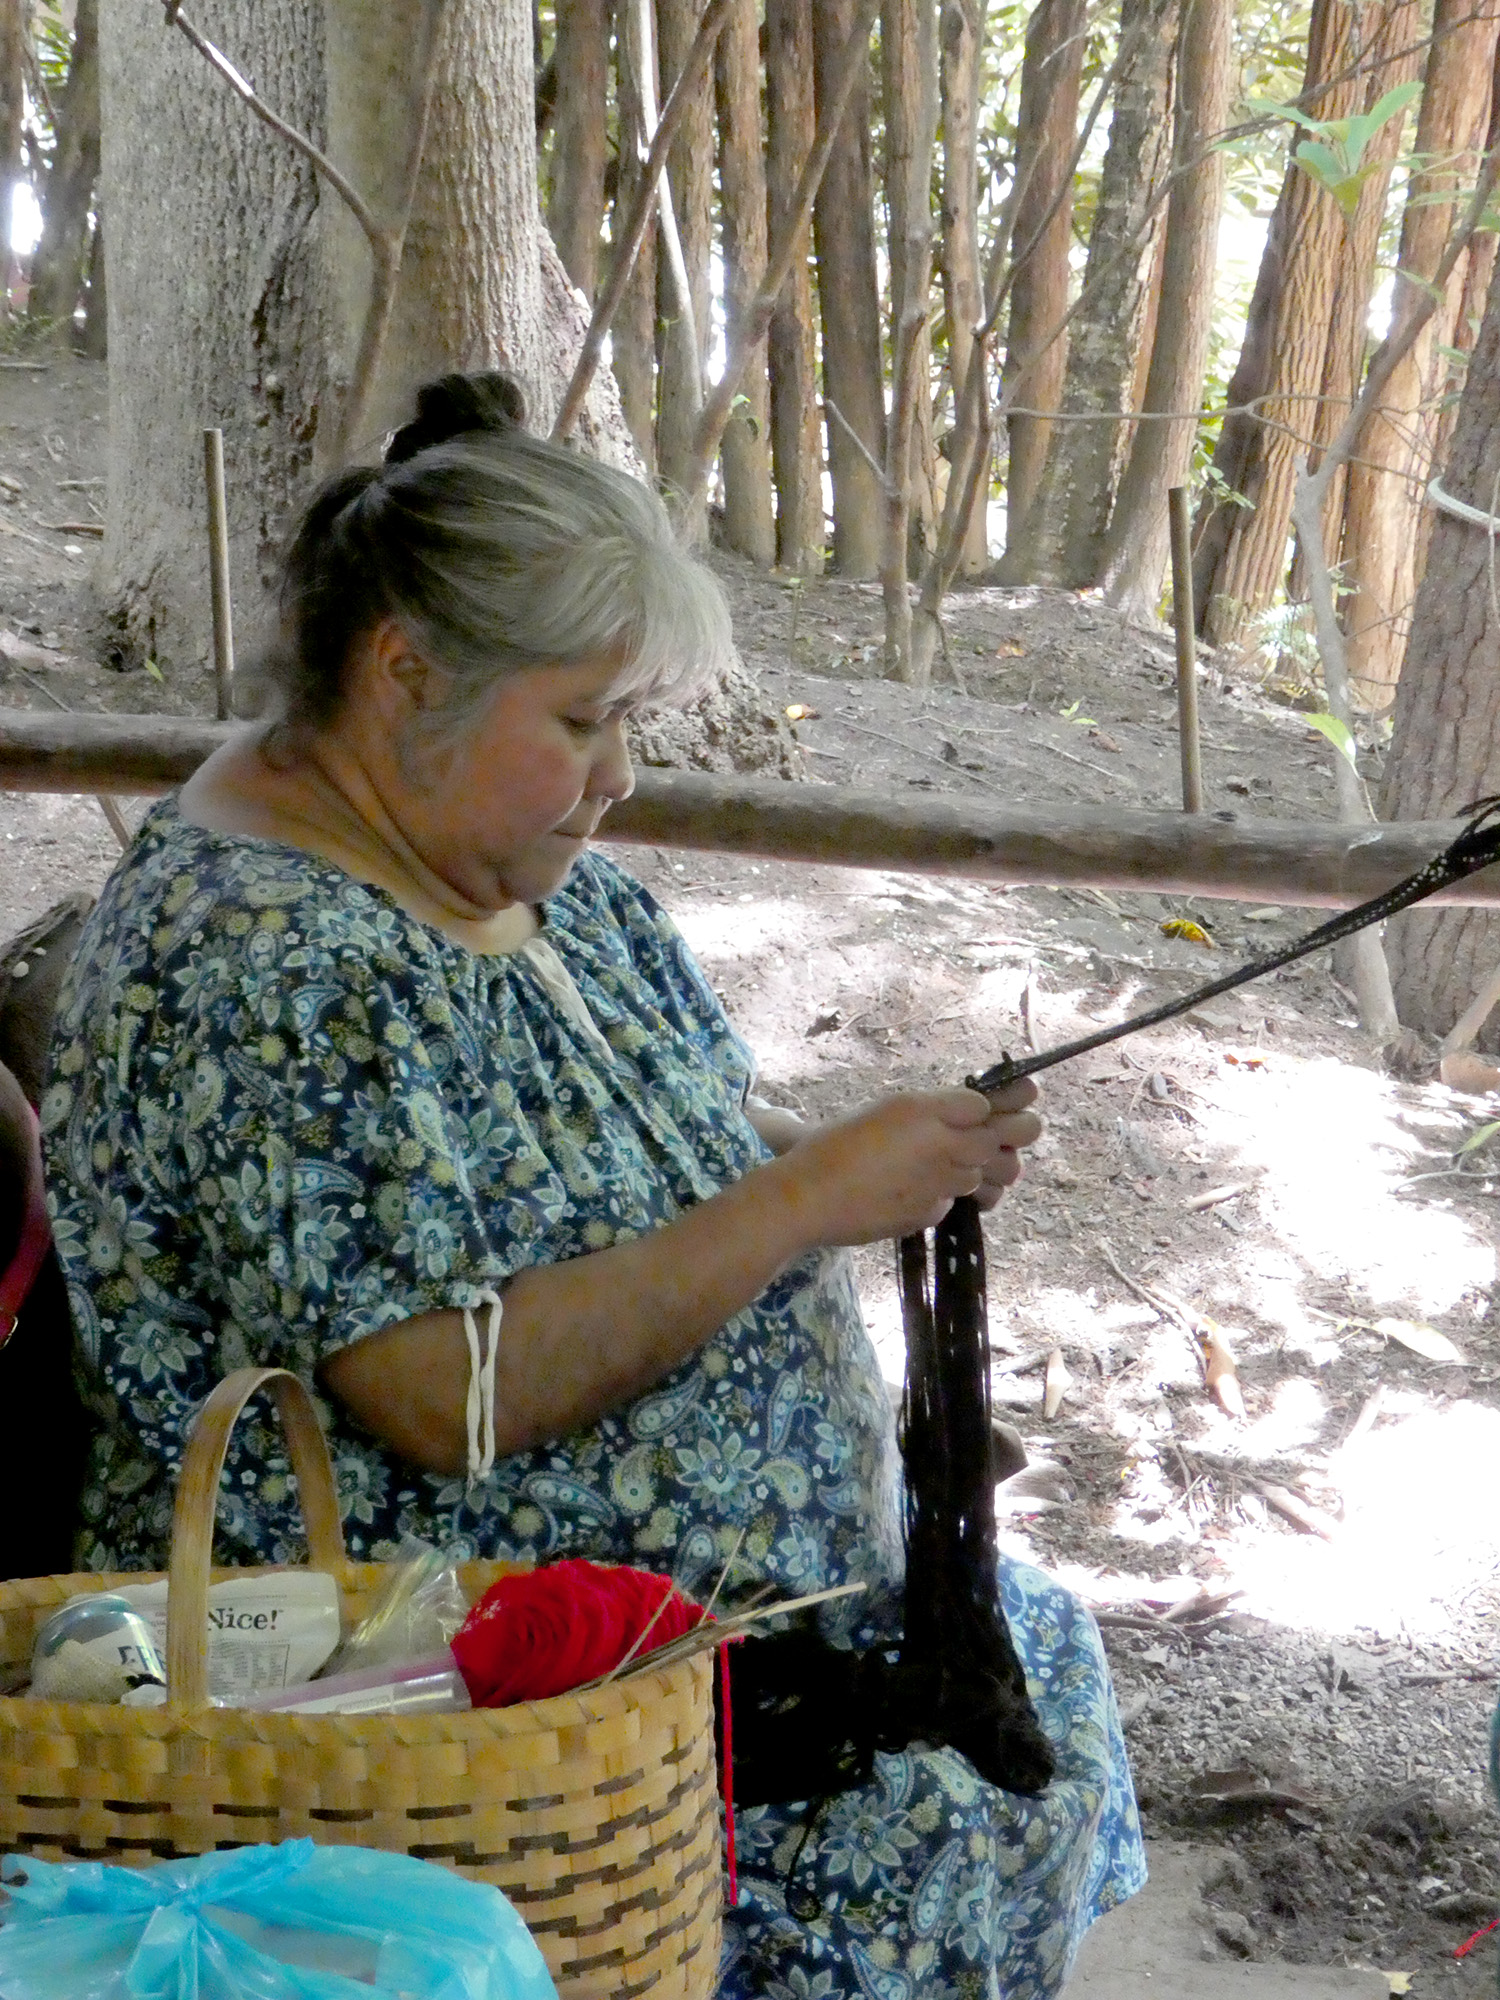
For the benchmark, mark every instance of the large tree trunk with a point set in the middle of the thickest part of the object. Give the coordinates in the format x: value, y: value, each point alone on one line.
x: 1241, y: 552
x: 1160, y: 454
x: 633, y: 335
x: 1396, y: 59
x: 744, y: 453
x: 849, y: 303
x: 1065, y: 527
x: 580, y: 145
x: 253, y: 320
x: 1394, y: 455
x: 1047, y: 128
x: 961, y: 37
x: 12, y: 112
x: 58, y: 270
x: 1447, y: 738
x: 690, y: 170
x: 795, y: 453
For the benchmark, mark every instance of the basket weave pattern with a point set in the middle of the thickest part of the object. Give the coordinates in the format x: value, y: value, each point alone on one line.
x: 595, y: 1813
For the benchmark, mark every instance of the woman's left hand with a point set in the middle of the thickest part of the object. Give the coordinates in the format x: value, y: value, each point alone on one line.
x: 1010, y: 1105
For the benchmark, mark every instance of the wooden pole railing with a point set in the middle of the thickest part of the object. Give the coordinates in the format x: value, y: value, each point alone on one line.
x: 1173, y: 853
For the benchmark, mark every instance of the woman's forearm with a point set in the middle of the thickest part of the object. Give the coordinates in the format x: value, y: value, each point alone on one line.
x: 578, y: 1338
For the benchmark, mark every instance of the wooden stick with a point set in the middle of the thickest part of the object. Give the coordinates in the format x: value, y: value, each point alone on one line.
x: 1322, y: 863
x: 1181, y: 527
x: 218, y: 571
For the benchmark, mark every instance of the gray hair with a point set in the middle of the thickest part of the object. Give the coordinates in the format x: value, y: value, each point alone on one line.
x: 493, y: 551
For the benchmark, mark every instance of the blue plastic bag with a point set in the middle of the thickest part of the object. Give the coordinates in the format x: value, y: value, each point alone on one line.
x: 294, y: 1922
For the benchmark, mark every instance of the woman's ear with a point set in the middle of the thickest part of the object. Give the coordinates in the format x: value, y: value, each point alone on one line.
x: 391, y: 676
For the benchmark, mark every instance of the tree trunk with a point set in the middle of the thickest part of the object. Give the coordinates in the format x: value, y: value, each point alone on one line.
x: 795, y: 453
x: 252, y: 322
x: 57, y: 273
x: 1065, y: 527
x: 961, y: 37
x: 12, y: 113
x: 1395, y: 454
x: 1160, y: 454
x: 690, y: 170
x: 580, y: 145
x: 633, y: 335
x: 95, y: 342
x: 849, y: 301
x: 1047, y: 128
x: 1446, y: 749
x: 1241, y: 552
x: 1396, y: 56
x: 744, y: 453
x: 909, y: 91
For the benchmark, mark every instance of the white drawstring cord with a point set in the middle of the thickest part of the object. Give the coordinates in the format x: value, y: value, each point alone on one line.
x: 481, y: 1404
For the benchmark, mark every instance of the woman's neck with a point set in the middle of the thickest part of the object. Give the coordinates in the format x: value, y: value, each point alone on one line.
x: 326, y: 805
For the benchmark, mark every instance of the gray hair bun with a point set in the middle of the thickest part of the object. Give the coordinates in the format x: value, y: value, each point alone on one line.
x: 455, y: 404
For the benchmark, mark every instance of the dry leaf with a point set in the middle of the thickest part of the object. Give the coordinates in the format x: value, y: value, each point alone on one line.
x: 1246, y: 1788
x: 1220, y: 1373
x: 1009, y: 649
x: 1057, y: 1383
x: 798, y: 711
x: 1465, y: 1071
x: 1423, y: 1340
x: 1399, y: 1982
x: 1183, y: 927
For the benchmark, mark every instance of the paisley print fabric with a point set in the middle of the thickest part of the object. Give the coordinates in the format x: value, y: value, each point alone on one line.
x: 283, y: 1114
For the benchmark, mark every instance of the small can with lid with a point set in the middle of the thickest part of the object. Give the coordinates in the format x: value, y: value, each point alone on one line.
x: 95, y: 1648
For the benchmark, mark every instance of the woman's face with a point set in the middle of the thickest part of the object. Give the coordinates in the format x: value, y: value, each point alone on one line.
x: 505, y: 810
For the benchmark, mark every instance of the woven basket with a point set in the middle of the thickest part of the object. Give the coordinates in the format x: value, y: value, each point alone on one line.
x: 595, y: 1813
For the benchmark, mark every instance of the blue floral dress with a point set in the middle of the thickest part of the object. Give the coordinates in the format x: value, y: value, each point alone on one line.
x: 284, y: 1114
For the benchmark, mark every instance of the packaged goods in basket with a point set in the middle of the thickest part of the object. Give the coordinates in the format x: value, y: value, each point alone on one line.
x: 291, y: 1922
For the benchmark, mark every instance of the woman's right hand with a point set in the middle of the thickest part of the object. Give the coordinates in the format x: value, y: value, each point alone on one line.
x: 898, y: 1165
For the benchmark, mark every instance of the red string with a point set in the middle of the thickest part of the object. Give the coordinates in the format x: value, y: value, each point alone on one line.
x: 728, y: 1775
x: 1464, y: 1949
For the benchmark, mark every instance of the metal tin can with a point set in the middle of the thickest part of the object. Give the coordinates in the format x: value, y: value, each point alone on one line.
x: 94, y: 1649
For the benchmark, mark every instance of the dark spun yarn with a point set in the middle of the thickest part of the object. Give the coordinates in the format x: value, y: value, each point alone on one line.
x: 454, y: 404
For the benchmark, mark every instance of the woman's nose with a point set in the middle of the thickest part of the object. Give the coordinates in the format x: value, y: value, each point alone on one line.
x: 613, y: 775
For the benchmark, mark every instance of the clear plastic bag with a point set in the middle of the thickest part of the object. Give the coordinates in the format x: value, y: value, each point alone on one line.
x: 294, y: 1922
x: 417, y: 1612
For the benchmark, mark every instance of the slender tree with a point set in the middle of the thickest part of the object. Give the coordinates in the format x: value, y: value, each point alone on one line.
x: 749, y: 513
x: 1051, y: 76
x: 795, y: 445
x: 59, y: 268
x: 682, y: 337
x: 849, y: 309
x: 1241, y: 550
x: 960, y: 40
x: 580, y: 146
x: 1385, y: 507
x: 633, y: 335
x: 1134, y: 557
x: 12, y: 115
x: 1063, y: 534
x: 1446, y: 748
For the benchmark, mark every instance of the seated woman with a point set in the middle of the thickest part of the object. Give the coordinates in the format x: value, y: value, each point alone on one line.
x: 370, y: 1068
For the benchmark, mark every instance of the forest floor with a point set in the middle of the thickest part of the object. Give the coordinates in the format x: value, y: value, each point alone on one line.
x: 1300, y: 1604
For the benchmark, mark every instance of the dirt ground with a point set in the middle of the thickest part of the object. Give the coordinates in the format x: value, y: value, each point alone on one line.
x: 1301, y: 1602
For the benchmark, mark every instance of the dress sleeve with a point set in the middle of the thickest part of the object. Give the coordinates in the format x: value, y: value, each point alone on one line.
x: 322, y: 1155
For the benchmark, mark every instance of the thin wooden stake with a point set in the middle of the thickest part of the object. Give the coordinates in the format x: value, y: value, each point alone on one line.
x: 1187, y: 651
x: 218, y: 571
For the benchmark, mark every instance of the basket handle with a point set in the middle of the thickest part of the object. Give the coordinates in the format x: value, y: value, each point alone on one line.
x: 197, y: 1502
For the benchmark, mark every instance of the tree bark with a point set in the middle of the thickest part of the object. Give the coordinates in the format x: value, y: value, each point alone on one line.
x: 960, y: 40
x: 1160, y: 454
x: 633, y: 335
x: 580, y: 145
x: 59, y: 268
x: 1384, y: 524
x: 1241, y: 551
x: 95, y: 342
x: 1065, y: 527
x: 1446, y: 749
x: 849, y: 302
x: 690, y: 168
x: 1047, y: 127
x: 744, y: 452
x: 795, y: 453
x: 252, y: 322
x: 12, y: 113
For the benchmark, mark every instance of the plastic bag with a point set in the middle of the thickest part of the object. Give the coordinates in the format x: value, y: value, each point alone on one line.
x: 294, y: 1922
x: 419, y: 1609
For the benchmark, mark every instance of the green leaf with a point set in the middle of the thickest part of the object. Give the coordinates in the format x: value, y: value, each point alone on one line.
x: 1337, y: 733
x: 1480, y: 1138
